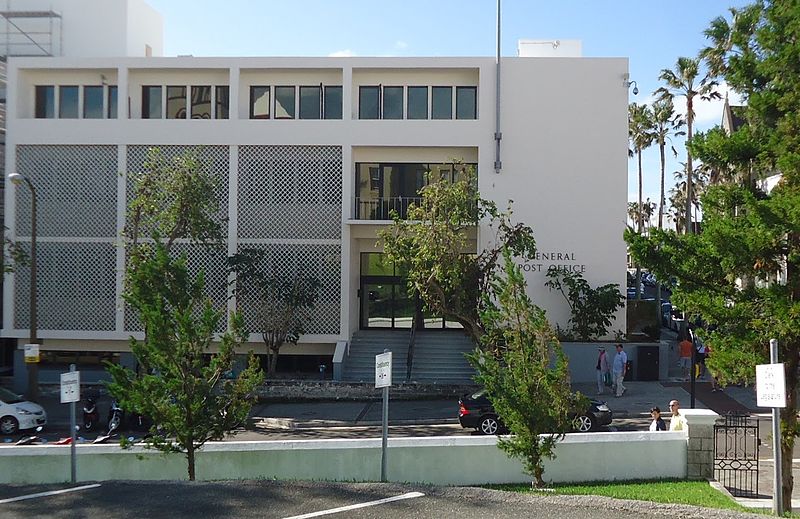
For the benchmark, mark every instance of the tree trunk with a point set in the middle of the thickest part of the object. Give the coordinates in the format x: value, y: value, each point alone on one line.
x: 273, y: 362
x: 789, y: 423
x: 639, y: 224
x: 661, y: 199
x: 190, y: 459
x: 689, y: 171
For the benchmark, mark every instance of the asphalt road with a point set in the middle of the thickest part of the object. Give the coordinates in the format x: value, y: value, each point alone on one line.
x: 271, y: 499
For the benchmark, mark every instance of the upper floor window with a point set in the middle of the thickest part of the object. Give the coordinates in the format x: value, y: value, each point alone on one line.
x: 112, y: 102
x: 68, y: 102
x: 176, y: 102
x: 417, y: 102
x: 222, y: 102
x: 151, y: 102
x: 259, y: 102
x: 310, y: 102
x: 93, y: 102
x: 284, y: 102
x: 393, y: 102
x: 369, y: 102
x: 333, y: 102
x: 45, y: 102
x: 442, y: 102
x: 200, y: 102
x: 466, y: 102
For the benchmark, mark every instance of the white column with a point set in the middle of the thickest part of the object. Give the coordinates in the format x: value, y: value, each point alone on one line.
x: 122, y: 93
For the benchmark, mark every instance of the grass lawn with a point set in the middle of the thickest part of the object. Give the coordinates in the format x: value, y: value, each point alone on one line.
x: 698, y: 493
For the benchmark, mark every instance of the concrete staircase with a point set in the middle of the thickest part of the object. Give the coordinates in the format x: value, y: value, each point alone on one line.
x: 438, y: 356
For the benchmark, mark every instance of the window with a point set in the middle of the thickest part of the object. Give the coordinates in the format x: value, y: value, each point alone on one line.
x: 392, y: 102
x: 93, y: 102
x: 417, y: 102
x: 201, y: 102
x: 68, y: 102
x: 466, y: 102
x: 333, y: 102
x: 112, y: 102
x: 369, y: 102
x: 442, y: 103
x: 222, y: 102
x: 310, y: 101
x: 259, y: 102
x: 284, y: 102
x: 45, y: 102
x: 176, y: 102
x: 151, y: 102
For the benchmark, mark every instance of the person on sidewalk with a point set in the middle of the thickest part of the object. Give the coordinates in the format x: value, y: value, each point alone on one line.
x: 685, y: 349
x: 658, y: 423
x: 700, y: 355
x: 677, y: 422
x: 620, y: 368
x: 603, y: 369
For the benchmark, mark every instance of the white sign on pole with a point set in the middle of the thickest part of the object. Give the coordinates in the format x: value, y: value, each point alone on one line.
x: 71, y: 387
x: 383, y: 370
x: 31, y: 353
x: 770, y: 385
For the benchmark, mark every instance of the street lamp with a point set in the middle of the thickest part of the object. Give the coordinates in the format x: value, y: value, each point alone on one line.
x: 33, y: 367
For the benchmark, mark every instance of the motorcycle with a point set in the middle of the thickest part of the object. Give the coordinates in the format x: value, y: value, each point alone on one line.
x: 90, y: 413
x: 31, y: 439
x: 115, y: 417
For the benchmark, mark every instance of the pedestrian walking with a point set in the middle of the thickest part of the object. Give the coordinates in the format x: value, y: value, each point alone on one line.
x: 685, y: 349
x: 657, y: 423
x: 620, y: 369
x: 677, y: 422
x: 603, y: 370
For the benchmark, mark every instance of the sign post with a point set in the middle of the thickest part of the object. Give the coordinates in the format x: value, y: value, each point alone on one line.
x: 71, y: 393
x: 383, y: 379
x: 771, y: 392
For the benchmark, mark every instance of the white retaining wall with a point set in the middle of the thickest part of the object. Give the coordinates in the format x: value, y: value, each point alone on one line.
x: 437, y: 460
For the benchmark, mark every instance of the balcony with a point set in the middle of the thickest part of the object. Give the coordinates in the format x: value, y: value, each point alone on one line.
x: 381, y: 208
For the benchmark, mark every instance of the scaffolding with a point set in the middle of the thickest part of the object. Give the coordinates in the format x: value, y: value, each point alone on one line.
x: 30, y: 33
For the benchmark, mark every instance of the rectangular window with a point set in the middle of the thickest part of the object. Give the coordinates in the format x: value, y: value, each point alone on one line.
x: 222, y: 102
x: 151, y: 102
x: 112, y: 102
x: 466, y: 102
x: 310, y: 100
x: 176, y: 102
x: 417, y: 102
x: 259, y: 102
x: 442, y: 103
x: 201, y: 102
x: 284, y: 102
x: 333, y: 102
x: 369, y: 102
x: 93, y: 102
x: 45, y: 102
x: 392, y: 102
x: 68, y: 102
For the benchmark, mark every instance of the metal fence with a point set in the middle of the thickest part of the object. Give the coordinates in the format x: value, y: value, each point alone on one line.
x: 736, y: 443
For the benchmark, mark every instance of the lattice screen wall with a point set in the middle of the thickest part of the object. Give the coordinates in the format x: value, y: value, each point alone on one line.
x: 76, y: 189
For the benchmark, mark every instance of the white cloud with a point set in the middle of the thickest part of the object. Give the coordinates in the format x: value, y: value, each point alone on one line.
x: 345, y: 53
x: 400, y: 45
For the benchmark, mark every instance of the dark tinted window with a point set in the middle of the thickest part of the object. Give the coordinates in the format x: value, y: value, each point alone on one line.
x: 201, y: 102
x: 222, y: 102
x: 68, y: 102
x: 284, y: 102
x: 259, y: 102
x: 333, y: 102
x: 417, y: 102
x: 112, y: 102
x: 392, y: 102
x: 176, y: 102
x: 310, y: 100
x: 151, y: 102
x: 93, y: 102
x: 442, y: 103
x: 368, y: 102
x: 45, y: 102
x: 466, y: 102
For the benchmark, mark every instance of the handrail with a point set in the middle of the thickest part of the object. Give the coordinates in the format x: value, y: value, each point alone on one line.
x: 381, y: 208
x: 412, y: 341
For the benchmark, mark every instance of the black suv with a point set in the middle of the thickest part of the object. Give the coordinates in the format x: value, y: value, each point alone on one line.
x: 475, y: 411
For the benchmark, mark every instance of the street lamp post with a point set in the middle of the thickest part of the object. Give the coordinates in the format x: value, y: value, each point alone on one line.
x: 33, y: 367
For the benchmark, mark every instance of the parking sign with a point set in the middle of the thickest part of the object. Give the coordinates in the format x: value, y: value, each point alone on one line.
x: 383, y: 370
x: 71, y: 387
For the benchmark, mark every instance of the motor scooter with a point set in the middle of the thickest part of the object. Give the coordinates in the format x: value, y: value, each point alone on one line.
x: 31, y: 439
x: 115, y: 416
x: 90, y: 413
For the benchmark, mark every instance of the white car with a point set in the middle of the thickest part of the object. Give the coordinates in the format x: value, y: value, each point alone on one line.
x: 17, y: 414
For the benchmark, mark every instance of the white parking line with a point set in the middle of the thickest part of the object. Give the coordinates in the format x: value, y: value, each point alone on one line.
x: 45, y: 494
x: 409, y: 495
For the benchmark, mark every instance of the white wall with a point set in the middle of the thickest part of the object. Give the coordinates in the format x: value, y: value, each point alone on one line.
x: 436, y: 460
x: 549, y: 48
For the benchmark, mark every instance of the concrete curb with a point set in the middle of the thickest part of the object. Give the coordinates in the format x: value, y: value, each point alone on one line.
x: 292, y: 424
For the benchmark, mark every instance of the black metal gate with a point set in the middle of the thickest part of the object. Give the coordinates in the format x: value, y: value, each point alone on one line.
x: 736, y: 444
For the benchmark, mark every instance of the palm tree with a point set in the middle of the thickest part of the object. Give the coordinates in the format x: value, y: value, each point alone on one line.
x: 667, y: 124
x: 640, y: 134
x: 682, y: 82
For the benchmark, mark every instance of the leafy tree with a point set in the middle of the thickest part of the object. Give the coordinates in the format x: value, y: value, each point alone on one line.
x: 432, y: 246
x: 283, y: 304
x: 749, y: 234
x: 13, y: 254
x: 641, y: 136
x: 682, y: 81
x: 592, y: 309
x: 180, y: 384
x: 521, y: 366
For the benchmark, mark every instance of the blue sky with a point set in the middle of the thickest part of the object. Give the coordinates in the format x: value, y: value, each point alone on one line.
x: 652, y: 34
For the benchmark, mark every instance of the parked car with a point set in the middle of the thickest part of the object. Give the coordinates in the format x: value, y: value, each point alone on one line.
x: 475, y: 411
x: 17, y: 414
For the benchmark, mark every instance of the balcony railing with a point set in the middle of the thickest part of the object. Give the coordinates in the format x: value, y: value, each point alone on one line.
x: 381, y: 208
